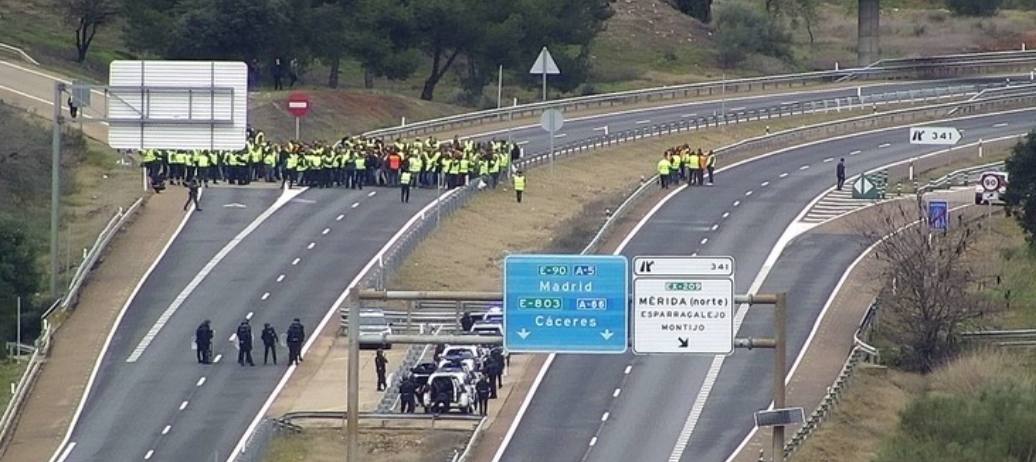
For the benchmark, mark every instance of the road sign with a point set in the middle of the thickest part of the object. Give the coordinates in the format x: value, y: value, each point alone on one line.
x: 785, y: 416
x: 683, y: 305
x: 177, y: 105
x: 991, y: 182
x: 298, y: 104
x: 934, y: 135
x: 544, y: 64
x: 938, y: 215
x: 552, y: 120
x: 566, y: 303
x: 865, y: 188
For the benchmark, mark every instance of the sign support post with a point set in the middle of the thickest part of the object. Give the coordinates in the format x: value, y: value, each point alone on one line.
x: 779, y: 357
x: 55, y: 187
x: 297, y: 119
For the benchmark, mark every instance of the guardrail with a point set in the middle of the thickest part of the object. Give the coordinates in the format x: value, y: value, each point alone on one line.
x: 962, y: 177
x: 19, y: 52
x: 1005, y: 63
x: 65, y: 302
x: 1003, y: 338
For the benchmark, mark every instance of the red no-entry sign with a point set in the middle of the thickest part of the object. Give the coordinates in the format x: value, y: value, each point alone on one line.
x: 298, y: 104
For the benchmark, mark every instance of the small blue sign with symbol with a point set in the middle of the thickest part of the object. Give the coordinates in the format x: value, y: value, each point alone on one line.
x: 566, y: 303
x: 938, y: 215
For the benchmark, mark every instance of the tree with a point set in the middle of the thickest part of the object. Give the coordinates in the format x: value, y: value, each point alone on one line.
x: 932, y: 300
x: 87, y: 16
x: 382, y: 38
x: 974, y: 7
x: 698, y: 9
x: 742, y: 29
x: 1021, y: 188
x: 445, y: 28
x: 19, y: 276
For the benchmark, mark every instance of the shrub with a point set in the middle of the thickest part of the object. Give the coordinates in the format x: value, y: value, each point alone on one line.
x: 974, y: 7
x: 742, y: 29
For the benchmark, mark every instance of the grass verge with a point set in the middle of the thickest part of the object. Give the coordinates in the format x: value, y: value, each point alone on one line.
x: 10, y: 372
x: 328, y: 445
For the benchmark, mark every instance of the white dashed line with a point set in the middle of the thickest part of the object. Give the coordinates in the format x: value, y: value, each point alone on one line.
x: 280, y: 278
x: 183, y: 405
x: 232, y: 337
x: 748, y: 193
x: 615, y: 394
x: 695, y: 254
x: 340, y: 217
x: 311, y: 245
x: 593, y: 441
x: 218, y: 357
x: 737, y: 203
x: 628, y: 369
x: 689, y: 115
x: 735, y: 109
x: 166, y: 429
x: 325, y: 231
x: 249, y: 315
x: 704, y: 240
x: 884, y: 145
x: 604, y: 418
x: 372, y: 193
x: 295, y: 261
x: 784, y: 175
x: 522, y: 143
x: 356, y: 204
x: 854, y: 153
x: 764, y: 184
x: 561, y: 135
x: 1000, y: 125
x: 715, y: 227
x: 726, y: 214
x: 150, y: 453
x: 642, y: 122
x: 804, y: 167
x: 201, y: 382
x: 265, y: 296
x: 829, y: 159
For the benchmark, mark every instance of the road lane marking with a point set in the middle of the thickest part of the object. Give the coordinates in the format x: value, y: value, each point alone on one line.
x: 784, y: 175
x: 232, y: 337
x: 356, y: 204
x: 604, y: 418
x: 325, y: 231
x: 642, y: 122
x: 704, y: 240
x: 829, y: 159
x: 522, y: 143
x: 150, y: 452
x: 748, y: 193
x: 67, y: 451
x: 735, y: 109
x: 715, y: 227
x: 884, y: 145
x: 737, y: 203
x: 286, y: 196
x: 561, y: 135
x: 615, y: 394
x: 183, y: 405
x: 311, y: 245
x: 628, y: 369
x: 280, y: 278
x: 1000, y: 125
x: 166, y: 429
x: 218, y: 357
x: 726, y: 214
x: 339, y: 218
x: 265, y: 296
x: 249, y: 315
x: 295, y: 261
x: 853, y: 153
x: 372, y: 193
x: 693, y: 114
x: 201, y: 382
x: 764, y: 184
x: 804, y: 167
x: 593, y: 441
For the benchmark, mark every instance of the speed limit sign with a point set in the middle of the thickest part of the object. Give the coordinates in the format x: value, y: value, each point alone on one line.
x: 990, y: 182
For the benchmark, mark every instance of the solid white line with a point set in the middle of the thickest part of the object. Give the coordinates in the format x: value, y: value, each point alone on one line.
x: 884, y: 145
x: 356, y: 204
x: 265, y: 296
x: 286, y: 196
x: 1000, y: 125
x: 829, y: 159
x: 704, y: 240
x: 853, y: 153
x: 280, y: 278
x: 183, y: 405
x: 338, y: 218
x: 764, y: 184
x: 804, y: 167
x: 642, y: 122
x: 726, y: 214
x: 67, y: 451
x: 150, y: 453
x: 325, y: 231
x: 201, y: 382
x: 615, y: 394
x: 239, y: 448
x: 111, y: 333
x: 295, y: 261
x: 372, y: 193
x: 217, y: 358
x: 628, y: 369
x: 593, y: 441
x: 249, y: 315
x: 784, y: 175
x: 604, y: 418
x: 748, y: 193
x: 165, y: 430
x: 715, y: 227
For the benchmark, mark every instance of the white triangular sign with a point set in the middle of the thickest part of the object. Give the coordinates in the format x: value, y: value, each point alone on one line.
x: 544, y: 64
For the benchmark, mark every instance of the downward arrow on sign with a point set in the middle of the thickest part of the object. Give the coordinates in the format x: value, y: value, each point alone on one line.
x: 607, y: 334
x: 683, y: 341
x: 523, y: 333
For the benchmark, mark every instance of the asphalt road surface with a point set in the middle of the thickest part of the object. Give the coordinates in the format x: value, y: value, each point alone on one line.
x: 649, y: 399
x: 131, y: 404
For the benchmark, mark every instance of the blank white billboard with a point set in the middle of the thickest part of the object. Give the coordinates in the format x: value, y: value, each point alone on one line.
x: 177, y: 105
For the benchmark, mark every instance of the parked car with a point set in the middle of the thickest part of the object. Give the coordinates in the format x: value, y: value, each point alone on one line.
x: 469, y: 356
x: 373, y: 325
x: 495, y: 314
x: 420, y: 373
x: 460, y: 393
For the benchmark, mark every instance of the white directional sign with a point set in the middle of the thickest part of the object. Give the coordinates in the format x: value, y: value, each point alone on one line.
x: 934, y: 135
x: 683, y: 305
x: 544, y: 64
x: 863, y: 185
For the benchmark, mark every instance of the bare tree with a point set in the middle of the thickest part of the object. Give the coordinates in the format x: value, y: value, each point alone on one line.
x: 87, y: 16
x: 932, y: 284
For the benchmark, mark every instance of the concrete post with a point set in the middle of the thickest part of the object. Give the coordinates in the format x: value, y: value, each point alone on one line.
x: 868, y: 50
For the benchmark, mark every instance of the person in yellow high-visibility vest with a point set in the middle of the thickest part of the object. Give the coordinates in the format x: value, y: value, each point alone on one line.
x: 663, y: 171
x: 519, y: 185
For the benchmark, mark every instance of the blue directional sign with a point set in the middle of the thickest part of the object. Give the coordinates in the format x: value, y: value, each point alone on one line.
x: 565, y: 303
x: 938, y: 215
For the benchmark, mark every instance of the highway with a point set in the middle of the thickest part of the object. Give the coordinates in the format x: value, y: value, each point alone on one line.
x: 649, y: 408
x: 164, y: 405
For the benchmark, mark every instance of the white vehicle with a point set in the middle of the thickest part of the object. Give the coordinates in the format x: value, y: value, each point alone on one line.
x: 990, y: 188
x: 494, y: 315
x: 470, y: 356
x: 460, y: 393
x: 373, y: 325
x: 488, y: 328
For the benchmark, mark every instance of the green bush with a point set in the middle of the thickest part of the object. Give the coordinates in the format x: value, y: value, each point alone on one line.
x: 974, y: 7
x: 994, y: 425
x: 742, y: 30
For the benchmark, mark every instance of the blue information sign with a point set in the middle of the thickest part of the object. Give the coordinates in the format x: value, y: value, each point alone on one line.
x: 565, y: 303
x: 938, y: 215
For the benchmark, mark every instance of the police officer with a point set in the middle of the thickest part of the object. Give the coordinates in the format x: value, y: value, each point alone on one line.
x: 482, y: 388
x: 203, y: 341
x: 492, y: 369
x: 380, y: 361
x: 269, y: 337
x: 244, y: 343
x: 519, y: 184
x: 498, y: 357
x: 296, y: 335
x: 466, y: 322
x: 663, y: 171
x: 192, y: 195
x: 407, y: 388
x: 405, y: 180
